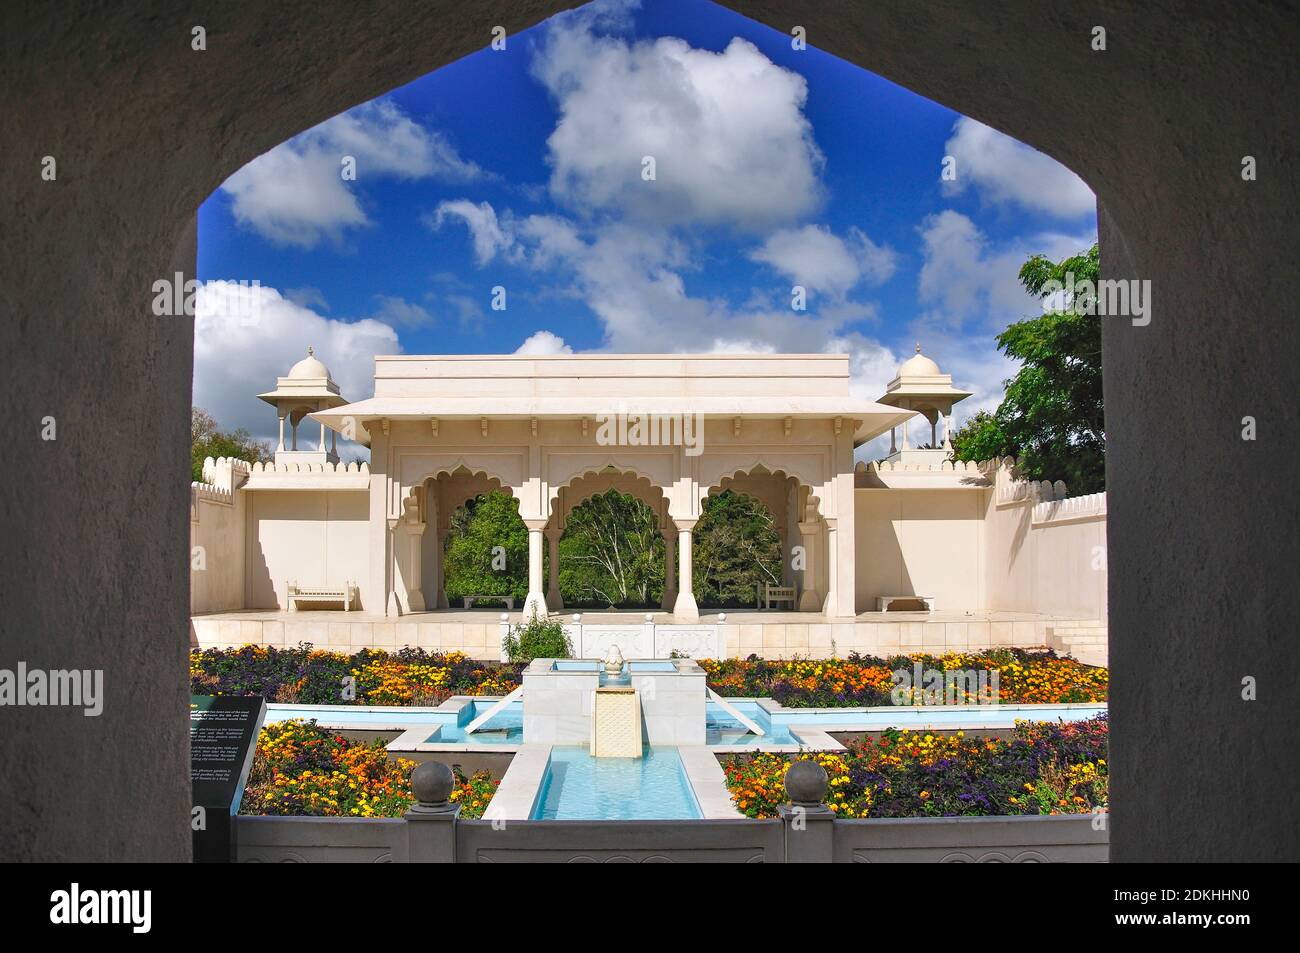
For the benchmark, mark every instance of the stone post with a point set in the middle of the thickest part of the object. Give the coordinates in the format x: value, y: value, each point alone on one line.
x: 503, y: 630
x: 684, y: 607
x: 431, y: 821
x: 809, y: 823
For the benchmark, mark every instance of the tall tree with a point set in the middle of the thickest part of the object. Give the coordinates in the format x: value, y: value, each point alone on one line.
x: 473, y: 563
x: 1051, y: 417
x: 736, y: 548
x: 207, y: 439
x: 612, y: 553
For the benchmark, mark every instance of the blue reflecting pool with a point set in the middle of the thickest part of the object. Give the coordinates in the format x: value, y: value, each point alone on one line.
x: 580, y: 787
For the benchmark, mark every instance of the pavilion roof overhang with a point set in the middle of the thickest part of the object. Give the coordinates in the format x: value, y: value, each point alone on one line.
x: 873, y: 418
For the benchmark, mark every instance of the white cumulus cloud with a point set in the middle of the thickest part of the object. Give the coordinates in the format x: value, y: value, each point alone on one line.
x: 816, y: 258
x: 1004, y: 170
x: 727, y: 132
x: 296, y: 194
x: 542, y: 343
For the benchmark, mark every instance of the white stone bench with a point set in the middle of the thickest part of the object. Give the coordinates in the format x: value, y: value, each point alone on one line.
x: 773, y: 594
x: 883, y: 602
x: 345, y: 594
x: 470, y: 600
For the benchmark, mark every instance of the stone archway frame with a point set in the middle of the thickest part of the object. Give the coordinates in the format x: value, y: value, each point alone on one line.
x: 1157, y: 220
x: 412, y: 466
x: 595, y: 482
x: 658, y: 467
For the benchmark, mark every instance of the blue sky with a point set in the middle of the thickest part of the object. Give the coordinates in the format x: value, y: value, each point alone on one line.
x: 523, y: 169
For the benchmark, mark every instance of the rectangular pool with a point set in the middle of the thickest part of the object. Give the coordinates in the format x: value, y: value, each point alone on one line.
x: 580, y: 787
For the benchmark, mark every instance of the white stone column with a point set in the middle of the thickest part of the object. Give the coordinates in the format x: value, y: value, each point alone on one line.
x: 670, y: 570
x: 440, y: 567
x: 830, y: 604
x: 414, y: 592
x: 321, y: 448
x: 392, y: 603
x: 535, y: 603
x: 554, y: 601
x: 893, y: 440
x: 684, y: 607
x: 810, y: 599
x: 280, y: 445
x: 947, y: 428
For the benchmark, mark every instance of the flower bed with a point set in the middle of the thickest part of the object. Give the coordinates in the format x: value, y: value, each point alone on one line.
x: 415, y: 677
x: 863, y: 680
x: 1044, y: 769
x: 311, y: 676
x: 302, y: 769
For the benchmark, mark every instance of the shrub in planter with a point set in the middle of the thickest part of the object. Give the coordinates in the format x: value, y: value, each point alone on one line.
x: 536, y: 638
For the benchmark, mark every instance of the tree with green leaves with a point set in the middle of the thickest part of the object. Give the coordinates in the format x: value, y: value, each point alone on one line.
x: 473, y: 565
x: 207, y: 439
x: 612, y: 553
x: 736, y: 548
x: 1051, y: 416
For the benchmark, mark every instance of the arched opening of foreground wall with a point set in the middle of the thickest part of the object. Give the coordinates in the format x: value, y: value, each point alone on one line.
x: 1160, y: 144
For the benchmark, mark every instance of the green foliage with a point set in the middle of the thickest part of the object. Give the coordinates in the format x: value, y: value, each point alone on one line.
x: 736, y: 548
x: 207, y: 439
x: 612, y: 553
x: 536, y: 638
x: 483, y: 523
x: 1051, y: 417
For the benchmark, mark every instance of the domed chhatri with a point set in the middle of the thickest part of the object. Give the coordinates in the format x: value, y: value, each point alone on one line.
x: 310, y: 367
x: 308, y: 388
x: 918, y: 365
x: 922, y: 387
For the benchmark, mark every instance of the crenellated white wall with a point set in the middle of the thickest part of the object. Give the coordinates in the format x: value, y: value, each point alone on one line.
x: 261, y: 526
x: 1045, y: 551
x: 217, y: 537
x: 1005, y: 544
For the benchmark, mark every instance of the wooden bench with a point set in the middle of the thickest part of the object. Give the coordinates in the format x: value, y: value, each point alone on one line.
x: 470, y: 600
x: 883, y: 602
x: 346, y: 594
x: 773, y: 594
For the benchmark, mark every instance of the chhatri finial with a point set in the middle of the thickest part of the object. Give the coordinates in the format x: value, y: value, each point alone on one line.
x: 918, y: 347
x: 311, y: 350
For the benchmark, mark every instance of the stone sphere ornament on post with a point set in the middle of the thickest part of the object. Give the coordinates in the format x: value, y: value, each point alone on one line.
x: 432, y: 783
x: 806, y: 783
